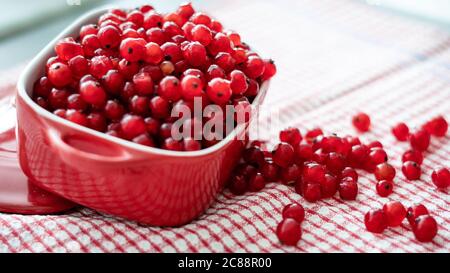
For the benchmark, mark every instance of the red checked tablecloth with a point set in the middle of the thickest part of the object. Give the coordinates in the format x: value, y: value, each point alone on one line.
x: 334, y: 58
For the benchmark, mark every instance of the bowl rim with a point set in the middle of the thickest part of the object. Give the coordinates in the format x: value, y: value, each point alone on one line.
x: 37, y: 63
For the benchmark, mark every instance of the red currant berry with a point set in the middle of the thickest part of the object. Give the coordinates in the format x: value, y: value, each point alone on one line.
x: 75, y: 102
x: 294, y: 211
x: 153, y: 53
x: 97, y: 122
x: 291, y: 135
x: 378, y: 156
x: 283, y: 155
x: 67, y: 49
x: 401, y: 131
x: 200, y: 18
x: 133, y: 49
x: 256, y: 183
x: 425, y: 228
x: 361, y: 122
x: 335, y: 163
x: 93, y: 93
x: 411, y: 170
x: 350, y: 172
x: 254, y: 67
x: 172, y: 52
x: 42, y: 87
x: 159, y: 107
x: 186, y: 10
x: 313, y: 173
x: 304, y: 152
x: 129, y: 69
x: 139, y: 105
x: 395, y: 212
x: 143, y: 84
x: 225, y: 61
x: 420, y: 140
x: 413, y: 155
x: 195, y: 54
x: 253, y: 88
x: 156, y: 35
x: 238, y: 185
x: 312, y: 192
x: 144, y: 140
x: 385, y: 188
x: 290, y: 174
x: 191, y: 144
x: 100, y: 65
x: 58, y: 98
x: 87, y: 30
x: 289, y: 232
x: 79, y: 66
x: 77, y: 117
x: 414, y: 212
x: 359, y: 155
x: 437, y: 126
x: 238, y: 81
x: 191, y: 87
x: 109, y: 37
x: 329, y: 186
x: 375, y: 221
x: 170, y: 88
x: 270, y: 171
x: 219, y: 91
x: 348, y: 189
x: 202, y: 34
x: 59, y: 75
x: 385, y: 171
x: 132, y: 126
x: 114, y: 110
x: 441, y: 178
x: 375, y: 144
x: 312, y: 134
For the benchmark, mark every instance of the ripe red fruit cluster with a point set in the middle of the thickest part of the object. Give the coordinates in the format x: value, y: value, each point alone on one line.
x: 420, y: 141
x: 318, y: 166
x: 289, y: 230
x: 124, y: 74
x: 393, y: 213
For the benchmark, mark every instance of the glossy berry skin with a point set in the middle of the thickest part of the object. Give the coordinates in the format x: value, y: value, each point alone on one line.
x: 413, y: 155
x: 420, y: 140
x: 385, y: 171
x: 202, y: 34
x: 361, y: 121
x: 312, y: 134
x: 335, y: 163
x: 411, y: 170
x: 290, y: 174
x: 93, y: 93
x: 67, y: 49
x: 384, y: 188
x: 414, y: 212
x: 291, y: 135
x: 270, y: 171
x: 238, y: 82
x: 170, y: 88
x: 133, y: 49
x: 375, y: 221
x: 437, y: 127
x: 401, y: 131
x: 269, y: 71
x: 289, y: 232
x: 314, y: 173
x: 283, y: 155
x: 395, y: 213
x: 153, y: 53
x: 132, y: 126
x: 254, y: 67
x: 109, y: 37
x: 238, y: 185
x: 254, y: 156
x: 425, y: 228
x: 256, y: 183
x: 329, y: 186
x: 191, y: 87
x: 75, y: 102
x: 219, y: 91
x: 191, y: 144
x: 59, y: 75
x: 378, y: 156
x: 441, y: 178
x: 159, y: 107
x: 143, y: 84
x: 294, y: 211
x: 312, y: 192
x: 358, y: 155
x: 304, y: 152
x: 77, y: 117
x: 348, y: 189
x: 350, y: 172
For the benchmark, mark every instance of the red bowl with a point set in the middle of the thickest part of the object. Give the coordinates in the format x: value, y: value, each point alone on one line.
x: 114, y: 176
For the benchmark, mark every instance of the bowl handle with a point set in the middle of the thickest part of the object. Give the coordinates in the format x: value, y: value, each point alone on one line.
x: 82, y: 159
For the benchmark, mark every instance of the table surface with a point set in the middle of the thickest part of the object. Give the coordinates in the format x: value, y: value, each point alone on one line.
x: 344, y: 57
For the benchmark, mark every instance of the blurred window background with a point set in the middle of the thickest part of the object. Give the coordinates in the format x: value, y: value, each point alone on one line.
x: 26, y: 26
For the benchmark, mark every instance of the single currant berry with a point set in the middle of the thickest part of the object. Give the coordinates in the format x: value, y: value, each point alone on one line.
x: 358, y: 155
x: 290, y: 174
x: 378, y: 156
x: 320, y: 157
x: 139, y: 105
x: 304, y: 152
x: 335, y: 163
x: 160, y: 107
x: 171, y: 29
x: 132, y: 126
x: 348, y: 189
x: 414, y: 156
x: 385, y: 171
x: 79, y: 66
x: 289, y: 232
x: 165, y: 130
x: 238, y: 82
x: 361, y: 121
x: 97, y: 121
x: 395, y: 213
x: 133, y: 49
x: 42, y: 87
x: 215, y: 71
x: 256, y: 183
x: 216, y: 26
x: 353, y: 141
x: 425, y: 228
x: 246, y: 170
x: 90, y: 44
x: 200, y: 18
x: 219, y: 91
x: 437, y: 127
x: 143, y: 84
x: 109, y: 37
x: 67, y: 49
x: 375, y: 221
x: 312, y: 134
x: 238, y: 185
x: 167, y: 68
x: 191, y: 87
x: 294, y: 211
x: 225, y: 61
x: 77, y: 117
x: 254, y: 156
x: 283, y: 155
x: 270, y: 171
x: 312, y: 192
x: 314, y: 173
x: 202, y: 34
x: 172, y: 52
x: 253, y: 88
x: 375, y: 144
x: 100, y: 65
x: 136, y: 17
x: 414, y: 212
x: 191, y: 144
x: 75, y: 102
x: 329, y: 186
x: 384, y: 188
x: 411, y: 170
x: 153, y: 53
x: 291, y: 135
x: 441, y: 178
x: 59, y: 75
x: 87, y: 30
x: 186, y: 10
x: 254, y: 67
x: 269, y: 71
x: 145, y: 140
x: 195, y: 54
x: 172, y: 145
x: 420, y: 140
x: 93, y: 93
x: 170, y: 88
x: 58, y: 98
x: 401, y: 131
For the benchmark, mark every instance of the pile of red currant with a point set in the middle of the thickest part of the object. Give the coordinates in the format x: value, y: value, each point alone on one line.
x: 124, y: 75
x: 393, y: 213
